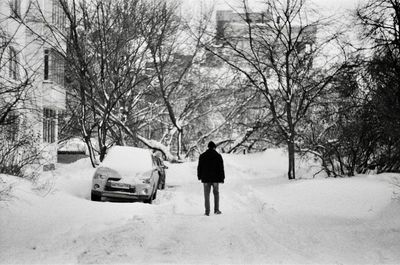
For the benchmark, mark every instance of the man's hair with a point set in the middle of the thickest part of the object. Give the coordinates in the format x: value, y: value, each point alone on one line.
x: 211, y: 145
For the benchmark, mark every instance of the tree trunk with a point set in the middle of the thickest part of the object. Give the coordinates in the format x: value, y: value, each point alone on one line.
x: 290, y: 141
x: 90, y: 150
x: 86, y: 133
x: 102, y: 134
x: 291, y: 171
x: 180, y: 136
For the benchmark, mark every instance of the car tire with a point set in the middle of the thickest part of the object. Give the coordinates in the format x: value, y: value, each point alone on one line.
x: 95, y: 197
x: 160, y: 181
x: 161, y: 184
x: 155, y: 194
x: 152, y: 197
x: 149, y: 200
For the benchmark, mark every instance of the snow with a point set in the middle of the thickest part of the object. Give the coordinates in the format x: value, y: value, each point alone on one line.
x: 266, y: 218
x: 128, y: 159
x: 359, y: 198
x: 73, y: 145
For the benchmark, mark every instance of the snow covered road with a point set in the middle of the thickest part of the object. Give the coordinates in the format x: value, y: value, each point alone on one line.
x: 266, y: 219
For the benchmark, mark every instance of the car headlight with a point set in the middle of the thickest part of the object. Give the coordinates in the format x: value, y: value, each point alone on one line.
x: 144, y: 191
x: 99, y: 176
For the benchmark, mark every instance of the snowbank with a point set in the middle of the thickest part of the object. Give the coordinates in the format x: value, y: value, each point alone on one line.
x: 271, y: 163
x: 73, y: 145
x: 357, y: 197
x: 266, y: 218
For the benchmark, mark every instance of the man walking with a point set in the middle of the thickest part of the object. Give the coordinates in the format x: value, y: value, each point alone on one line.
x: 210, y: 171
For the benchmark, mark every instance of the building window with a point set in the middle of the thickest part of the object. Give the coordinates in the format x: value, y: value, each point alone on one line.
x: 13, y: 64
x: 15, y: 6
x: 54, y: 69
x: 10, y: 127
x: 49, y: 125
x: 58, y: 15
x: 46, y: 64
x: 57, y: 67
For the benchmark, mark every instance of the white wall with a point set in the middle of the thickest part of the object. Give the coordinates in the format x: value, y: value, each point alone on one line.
x: 44, y: 94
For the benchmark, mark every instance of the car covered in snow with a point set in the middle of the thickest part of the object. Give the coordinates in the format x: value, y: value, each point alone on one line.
x: 128, y: 173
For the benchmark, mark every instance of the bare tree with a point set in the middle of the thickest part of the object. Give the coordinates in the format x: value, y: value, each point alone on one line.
x: 108, y: 57
x: 278, y: 53
x: 176, y: 60
x: 106, y: 53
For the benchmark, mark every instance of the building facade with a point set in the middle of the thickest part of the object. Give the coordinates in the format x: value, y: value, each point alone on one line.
x: 229, y: 22
x: 30, y: 61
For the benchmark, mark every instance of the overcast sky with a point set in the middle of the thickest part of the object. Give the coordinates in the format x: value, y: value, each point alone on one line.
x: 330, y: 6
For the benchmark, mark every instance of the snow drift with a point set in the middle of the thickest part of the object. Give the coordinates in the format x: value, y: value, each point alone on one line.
x: 266, y: 218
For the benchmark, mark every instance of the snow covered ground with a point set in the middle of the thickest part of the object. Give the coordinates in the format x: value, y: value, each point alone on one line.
x: 266, y: 218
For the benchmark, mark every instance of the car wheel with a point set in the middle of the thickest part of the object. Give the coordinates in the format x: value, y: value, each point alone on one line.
x: 160, y: 181
x: 152, y: 197
x: 159, y: 186
x: 95, y: 197
x: 149, y: 200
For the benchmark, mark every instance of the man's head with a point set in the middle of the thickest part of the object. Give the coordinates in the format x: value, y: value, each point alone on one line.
x: 211, y: 145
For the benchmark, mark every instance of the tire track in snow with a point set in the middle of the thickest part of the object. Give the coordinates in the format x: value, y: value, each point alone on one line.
x: 181, y: 232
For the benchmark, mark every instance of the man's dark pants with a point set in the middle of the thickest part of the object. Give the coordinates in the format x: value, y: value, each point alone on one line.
x: 207, y: 189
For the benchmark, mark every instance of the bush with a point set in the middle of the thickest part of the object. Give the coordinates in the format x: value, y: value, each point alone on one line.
x: 19, y: 151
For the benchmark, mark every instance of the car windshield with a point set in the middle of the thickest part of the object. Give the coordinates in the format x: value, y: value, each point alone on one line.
x: 127, y: 159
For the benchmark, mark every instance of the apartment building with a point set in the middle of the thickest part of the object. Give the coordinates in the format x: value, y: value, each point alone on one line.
x: 29, y: 58
x: 231, y: 24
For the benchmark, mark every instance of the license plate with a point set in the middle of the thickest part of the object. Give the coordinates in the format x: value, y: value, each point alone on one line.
x: 120, y: 185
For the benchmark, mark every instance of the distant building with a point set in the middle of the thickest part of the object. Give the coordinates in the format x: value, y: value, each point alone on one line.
x: 228, y: 20
x: 235, y: 25
x: 26, y: 55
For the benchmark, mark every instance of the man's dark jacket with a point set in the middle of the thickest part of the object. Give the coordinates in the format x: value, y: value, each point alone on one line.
x: 211, y: 167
